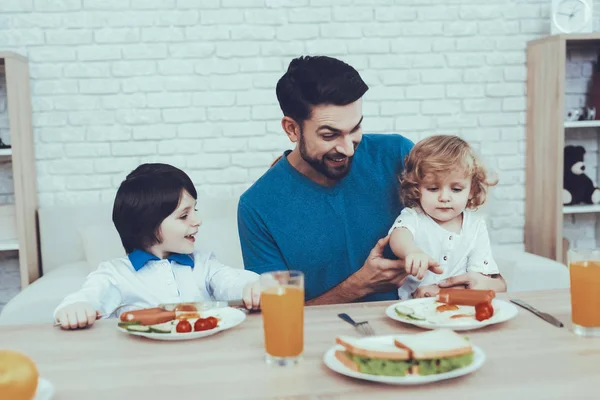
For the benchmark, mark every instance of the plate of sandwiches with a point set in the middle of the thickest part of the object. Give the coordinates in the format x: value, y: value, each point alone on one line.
x: 183, y: 321
x: 410, y: 359
x: 456, y: 309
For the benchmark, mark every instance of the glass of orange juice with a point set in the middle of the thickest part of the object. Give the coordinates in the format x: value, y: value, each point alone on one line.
x: 584, y: 269
x: 282, y: 304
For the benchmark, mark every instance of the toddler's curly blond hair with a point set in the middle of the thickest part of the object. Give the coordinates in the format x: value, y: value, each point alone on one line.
x: 438, y: 156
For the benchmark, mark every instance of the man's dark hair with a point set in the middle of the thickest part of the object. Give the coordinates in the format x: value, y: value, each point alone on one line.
x: 314, y: 80
x: 148, y: 195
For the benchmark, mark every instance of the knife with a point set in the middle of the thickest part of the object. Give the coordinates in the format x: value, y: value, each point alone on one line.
x: 202, y: 305
x: 545, y: 316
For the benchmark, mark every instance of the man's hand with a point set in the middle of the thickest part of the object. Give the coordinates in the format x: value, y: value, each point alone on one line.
x: 418, y: 263
x: 426, y: 291
x: 379, y: 274
x: 475, y: 280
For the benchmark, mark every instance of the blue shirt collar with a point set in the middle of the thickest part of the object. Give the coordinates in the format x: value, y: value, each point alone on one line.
x: 139, y: 258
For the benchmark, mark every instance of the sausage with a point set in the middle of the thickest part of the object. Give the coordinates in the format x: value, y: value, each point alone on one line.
x: 130, y: 316
x: 465, y: 297
x: 149, y: 316
x: 157, y: 318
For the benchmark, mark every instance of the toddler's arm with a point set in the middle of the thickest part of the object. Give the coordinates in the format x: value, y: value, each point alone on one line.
x: 416, y: 261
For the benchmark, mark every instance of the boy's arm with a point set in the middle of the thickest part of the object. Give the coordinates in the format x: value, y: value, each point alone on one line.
x: 223, y: 282
x: 99, y: 289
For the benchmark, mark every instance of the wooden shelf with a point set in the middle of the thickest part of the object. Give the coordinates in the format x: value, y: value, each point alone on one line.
x: 581, y: 209
x: 583, y: 124
x: 23, y: 217
x: 6, y: 245
x: 547, y: 132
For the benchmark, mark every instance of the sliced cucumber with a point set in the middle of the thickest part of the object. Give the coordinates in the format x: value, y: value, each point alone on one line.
x: 124, y: 325
x: 138, y: 328
x: 166, y: 327
x: 407, y: 312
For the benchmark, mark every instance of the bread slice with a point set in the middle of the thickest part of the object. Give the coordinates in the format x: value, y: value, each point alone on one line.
x: 363, y: 348
x: 344, y: 359
x: 440, y: 343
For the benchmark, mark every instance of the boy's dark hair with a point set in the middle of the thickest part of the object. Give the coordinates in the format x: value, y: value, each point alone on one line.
x: 148, y: 195
x: 314, y: 80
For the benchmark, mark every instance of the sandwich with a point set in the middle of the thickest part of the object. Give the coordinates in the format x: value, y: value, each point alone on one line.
x: 428, y: 353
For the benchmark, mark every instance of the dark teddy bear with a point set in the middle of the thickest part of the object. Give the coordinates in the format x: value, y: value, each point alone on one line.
x: 577, y: 187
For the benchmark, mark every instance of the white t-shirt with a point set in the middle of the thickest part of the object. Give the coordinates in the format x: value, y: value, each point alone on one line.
x: 456, y: 253
x: 116, y: 287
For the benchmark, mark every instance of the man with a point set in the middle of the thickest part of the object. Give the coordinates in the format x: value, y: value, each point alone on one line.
x: 324, y: 205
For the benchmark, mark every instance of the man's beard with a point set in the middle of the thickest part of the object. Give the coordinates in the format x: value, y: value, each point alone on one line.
x: 319, y: 165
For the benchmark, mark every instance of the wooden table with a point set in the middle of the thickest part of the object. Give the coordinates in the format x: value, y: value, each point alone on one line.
x: 527, y: 358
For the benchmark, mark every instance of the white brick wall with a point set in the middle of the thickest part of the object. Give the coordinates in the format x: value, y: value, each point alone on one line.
x: 192, y: 82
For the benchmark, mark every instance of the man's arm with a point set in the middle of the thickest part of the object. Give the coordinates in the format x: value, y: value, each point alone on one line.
x: 376, y: 275
x: 348, y: 291
x: 261, y: 254
x: 259, y: 250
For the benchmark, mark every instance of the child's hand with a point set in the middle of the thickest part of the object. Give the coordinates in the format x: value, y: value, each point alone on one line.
x: 426, y: 291
x: 416, y: 264
x: 251, y: 296
x: 77, y: 315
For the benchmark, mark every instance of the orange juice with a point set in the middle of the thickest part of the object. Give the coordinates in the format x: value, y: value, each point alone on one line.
x: 585, y: 293
x: 283, y: 320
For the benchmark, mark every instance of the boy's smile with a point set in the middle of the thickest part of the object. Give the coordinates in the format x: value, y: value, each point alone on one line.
x: 177, y: 231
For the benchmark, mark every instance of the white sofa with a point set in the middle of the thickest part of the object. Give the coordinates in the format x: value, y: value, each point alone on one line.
x: 75, y: 239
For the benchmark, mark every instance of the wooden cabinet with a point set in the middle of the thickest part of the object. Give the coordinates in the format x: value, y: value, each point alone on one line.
x: 18, y: 221
x: 546, y: 130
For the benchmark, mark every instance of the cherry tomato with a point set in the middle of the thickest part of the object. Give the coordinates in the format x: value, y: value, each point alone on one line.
x: 483, y: 311
x: 202, y: 324
x: 213, y: 322
x: 183, y: 326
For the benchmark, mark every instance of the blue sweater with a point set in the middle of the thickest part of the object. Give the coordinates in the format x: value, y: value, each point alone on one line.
x: 287, y: 221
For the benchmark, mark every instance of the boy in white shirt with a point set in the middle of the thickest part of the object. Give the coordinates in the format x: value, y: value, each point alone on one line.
x: 439, y: 234
x: 154, y: 213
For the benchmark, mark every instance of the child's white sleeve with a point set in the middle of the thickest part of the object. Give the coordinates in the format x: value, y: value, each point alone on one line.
x: 408, y: 219
x: 99, y: 289
x: 481, y: 259
x: 226, y: 283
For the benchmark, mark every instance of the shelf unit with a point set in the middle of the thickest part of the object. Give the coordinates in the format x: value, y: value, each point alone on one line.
x: 546, y: 128
x: 582, y: 124
x: 18, y: 222
x: 581, y: 209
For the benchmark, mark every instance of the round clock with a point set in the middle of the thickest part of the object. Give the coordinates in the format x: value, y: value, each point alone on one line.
x: 571, y: 16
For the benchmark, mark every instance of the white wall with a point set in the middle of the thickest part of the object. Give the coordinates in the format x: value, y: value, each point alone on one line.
x: 192, y: 83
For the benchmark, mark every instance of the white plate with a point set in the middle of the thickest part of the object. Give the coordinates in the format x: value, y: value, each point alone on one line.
x: 503, y: 311
x: 45, y: 390
x: 230, y: 317
x: 332, y: 362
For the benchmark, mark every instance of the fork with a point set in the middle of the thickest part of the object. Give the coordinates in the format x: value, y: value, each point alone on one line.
x: 363, y: 327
